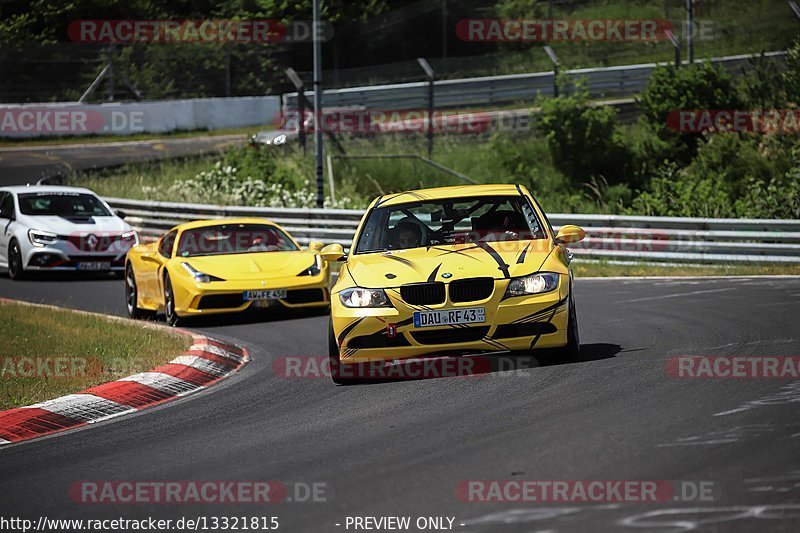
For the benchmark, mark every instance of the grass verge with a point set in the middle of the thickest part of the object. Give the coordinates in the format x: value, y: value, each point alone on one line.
x: 47, y: 352
x: 602, y: 269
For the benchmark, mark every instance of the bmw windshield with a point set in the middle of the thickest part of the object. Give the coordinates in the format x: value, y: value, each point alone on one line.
x: 449, y: 221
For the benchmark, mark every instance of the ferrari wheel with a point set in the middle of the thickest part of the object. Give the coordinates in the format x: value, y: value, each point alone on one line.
x: 15, y: 269
x: 169, y: 304
x: 132, y: 296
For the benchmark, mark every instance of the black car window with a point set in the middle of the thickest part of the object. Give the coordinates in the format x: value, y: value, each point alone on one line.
x: 167, y: 244
x: 65, y: 204
x: 6, y: 205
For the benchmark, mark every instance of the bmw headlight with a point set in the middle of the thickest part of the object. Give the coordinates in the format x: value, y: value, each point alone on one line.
x: 360, y: 297
x: 41, y: 238
x: 198, y: 276
x: 533, y: 284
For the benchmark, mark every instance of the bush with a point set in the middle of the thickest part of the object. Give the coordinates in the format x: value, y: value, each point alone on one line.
x: 226, y: 185
x: 674, y: 192
x: 778, y: 197
x: 792, y: 74
x: 583, y: 140
x: 701, y: 86
x: 253, y: 177
x: 765, y: 85
x: 732, y: 176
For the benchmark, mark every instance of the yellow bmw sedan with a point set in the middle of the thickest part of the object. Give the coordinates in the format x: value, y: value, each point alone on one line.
x: 223, y: 266
x: 469, y: 269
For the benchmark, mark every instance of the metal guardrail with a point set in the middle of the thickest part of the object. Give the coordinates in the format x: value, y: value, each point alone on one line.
x: 608, y: 82
x: 609, y: 237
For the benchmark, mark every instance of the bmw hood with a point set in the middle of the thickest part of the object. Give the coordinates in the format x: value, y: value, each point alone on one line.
x: 448, y: 263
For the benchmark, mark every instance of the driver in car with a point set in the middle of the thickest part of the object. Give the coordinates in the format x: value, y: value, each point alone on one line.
x: 405, y: 234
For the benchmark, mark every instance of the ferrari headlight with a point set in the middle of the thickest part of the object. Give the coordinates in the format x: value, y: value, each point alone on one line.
x: 360, y: 297
x: 41, y: 238
x: 313, y: 270
x: 198, y: 276
x: 533, y: 284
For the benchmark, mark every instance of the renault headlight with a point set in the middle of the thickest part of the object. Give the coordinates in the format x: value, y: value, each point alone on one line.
x: 41, y: 238
x: 533, y: 284
x: 130, y: 237
x: 360, y: 297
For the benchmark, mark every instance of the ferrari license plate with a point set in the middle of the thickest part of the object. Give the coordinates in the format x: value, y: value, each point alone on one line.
x: 471, y: 315
x: 266, y: 294
x: 94, y: 265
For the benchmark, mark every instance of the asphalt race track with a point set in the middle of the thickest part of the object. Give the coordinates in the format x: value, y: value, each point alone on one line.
x: 401, y: 448
x: 29, y: 164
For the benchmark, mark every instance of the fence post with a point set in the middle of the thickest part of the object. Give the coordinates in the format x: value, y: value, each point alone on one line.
x: 690, y: 29
x: 554, y: 58
x: 301, y: 105
x: 431, y: 78
x: 677, y: 44
x: 110, y: 73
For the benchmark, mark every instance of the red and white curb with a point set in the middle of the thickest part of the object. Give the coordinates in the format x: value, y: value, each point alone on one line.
x: 204, y: 363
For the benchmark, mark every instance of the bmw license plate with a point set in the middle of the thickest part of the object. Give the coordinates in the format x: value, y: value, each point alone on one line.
x: 266, y: 294
x: 471, y: 315
x: 94, y: 265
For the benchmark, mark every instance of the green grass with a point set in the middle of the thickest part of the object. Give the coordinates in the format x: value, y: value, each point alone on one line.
x: 142, y: 181
x: 361, y: 180
x: 584, y: 270
x: 96, y: 350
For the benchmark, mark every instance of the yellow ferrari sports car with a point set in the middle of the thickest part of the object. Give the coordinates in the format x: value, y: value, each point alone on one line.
x: 466, y: 269
x: 223, y: 266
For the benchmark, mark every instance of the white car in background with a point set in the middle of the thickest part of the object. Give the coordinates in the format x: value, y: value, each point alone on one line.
x: 47, y: 228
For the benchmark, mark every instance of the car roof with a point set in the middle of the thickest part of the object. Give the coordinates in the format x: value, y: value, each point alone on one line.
x: 456, y: 191
x: 216, y: 222
x: 20, y: 189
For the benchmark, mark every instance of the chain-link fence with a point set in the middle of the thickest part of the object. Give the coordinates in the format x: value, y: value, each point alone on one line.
x: 382, y: 49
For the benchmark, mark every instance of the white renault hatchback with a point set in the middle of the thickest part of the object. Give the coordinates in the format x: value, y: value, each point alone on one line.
x: 47, y: 228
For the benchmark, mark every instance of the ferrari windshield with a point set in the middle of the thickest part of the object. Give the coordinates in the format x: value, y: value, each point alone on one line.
x: 65, y: 204
x: 449, y: 221
x: 224, y: 239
